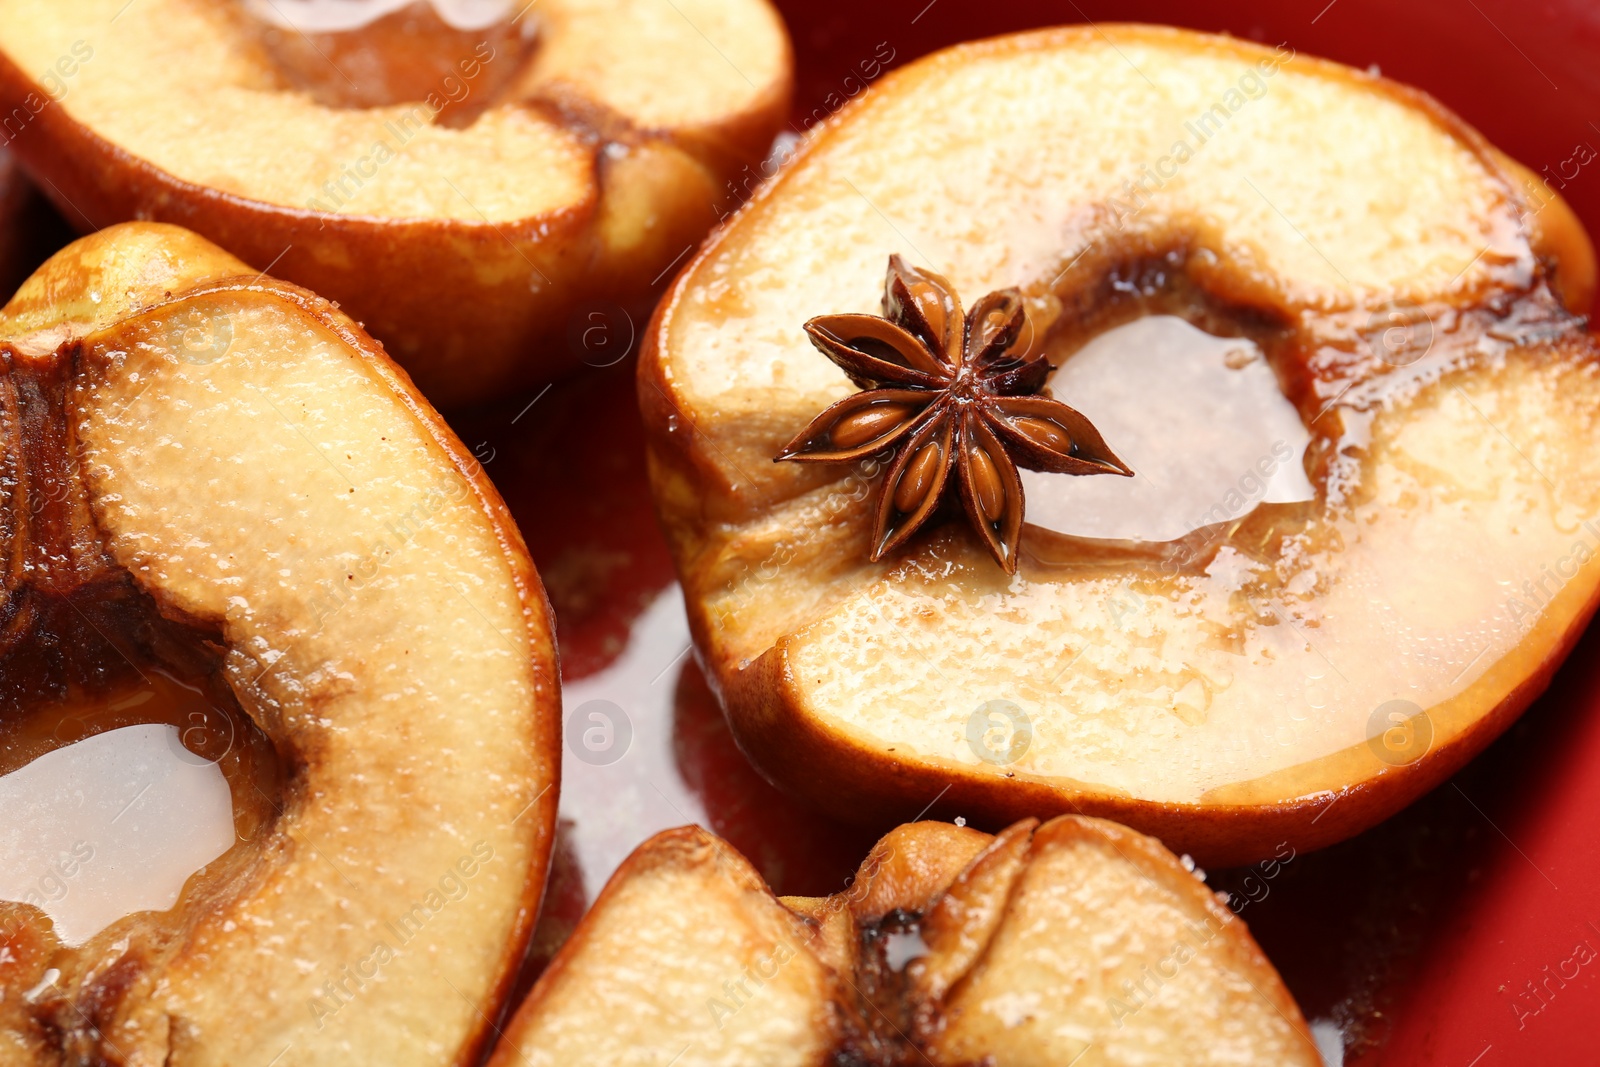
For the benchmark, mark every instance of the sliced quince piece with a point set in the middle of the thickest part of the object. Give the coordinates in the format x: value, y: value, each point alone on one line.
x: 1078, y: 941
x: 685, y: 954
x: 1293, y: 674
x: 213, y: 467
x: 462, y: 222
x: 1142, y: 964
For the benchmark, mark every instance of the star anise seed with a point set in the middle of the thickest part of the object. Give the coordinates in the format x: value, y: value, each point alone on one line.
x: 945, y: 390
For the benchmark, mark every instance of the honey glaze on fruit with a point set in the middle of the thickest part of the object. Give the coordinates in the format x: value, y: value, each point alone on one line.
x: 454, y: 56
x: 1448, y: 513
x: 126, y: 763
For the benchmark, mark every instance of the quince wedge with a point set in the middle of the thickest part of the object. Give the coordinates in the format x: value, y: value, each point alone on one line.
x: 216, y: 475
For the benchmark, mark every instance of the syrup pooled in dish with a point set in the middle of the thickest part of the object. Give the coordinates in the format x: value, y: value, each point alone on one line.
x: 111, y: 799
x: 1201, y: 421
x: 109, y: 826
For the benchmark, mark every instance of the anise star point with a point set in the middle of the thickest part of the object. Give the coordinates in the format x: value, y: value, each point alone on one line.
x: 944, y: 390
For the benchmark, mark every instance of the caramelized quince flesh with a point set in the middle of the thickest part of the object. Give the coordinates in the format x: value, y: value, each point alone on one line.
x: 1075, y: 942
x: 223, y: 479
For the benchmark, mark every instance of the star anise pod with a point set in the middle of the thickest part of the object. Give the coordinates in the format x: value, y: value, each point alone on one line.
x: 945, y: 391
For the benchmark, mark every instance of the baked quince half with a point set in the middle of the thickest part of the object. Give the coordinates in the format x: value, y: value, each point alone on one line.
x: 461, y: 178
x: 1289, y: 671
x: 216, y: 478
x: 1078, y: 941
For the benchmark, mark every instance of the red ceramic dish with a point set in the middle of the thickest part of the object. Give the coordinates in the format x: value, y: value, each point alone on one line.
x: 1463, y: 932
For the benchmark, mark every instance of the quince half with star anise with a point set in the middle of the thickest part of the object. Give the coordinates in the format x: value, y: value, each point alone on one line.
x: 1291, y: 672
